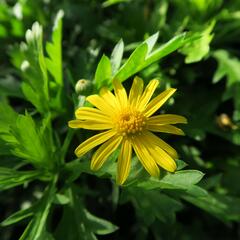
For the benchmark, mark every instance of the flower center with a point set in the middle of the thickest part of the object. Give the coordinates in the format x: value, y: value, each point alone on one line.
x: 130, y: 123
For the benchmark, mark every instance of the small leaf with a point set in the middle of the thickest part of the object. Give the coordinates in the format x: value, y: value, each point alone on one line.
x: 196, y: 50
x: 103, y: 73
x: 61, y: 199
x: 109, y: 3
x: 98, y: 225
x: 18, y: 216
x: 116, y: 56
x: 228, y: 66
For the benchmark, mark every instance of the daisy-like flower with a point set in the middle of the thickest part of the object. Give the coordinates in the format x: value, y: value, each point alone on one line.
x: 128, y: 122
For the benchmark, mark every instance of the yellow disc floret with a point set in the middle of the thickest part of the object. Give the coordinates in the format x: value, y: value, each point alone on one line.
x: 129, y: 123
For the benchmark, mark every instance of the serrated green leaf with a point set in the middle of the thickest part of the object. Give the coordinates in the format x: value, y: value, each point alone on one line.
x: 196, y: 50
x: 7, y: 117
x: 30, y: 144
x: 227, y: 67
x: 11, y: 178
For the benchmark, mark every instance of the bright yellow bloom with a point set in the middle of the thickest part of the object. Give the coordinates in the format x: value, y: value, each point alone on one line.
x: 128, y: 122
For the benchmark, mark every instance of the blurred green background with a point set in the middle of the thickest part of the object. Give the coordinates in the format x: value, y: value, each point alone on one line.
x: 206, y: 73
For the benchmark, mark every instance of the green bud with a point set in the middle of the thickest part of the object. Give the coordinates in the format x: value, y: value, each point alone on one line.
x: 83, y: 87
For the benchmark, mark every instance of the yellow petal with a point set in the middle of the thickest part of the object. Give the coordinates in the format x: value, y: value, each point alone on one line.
x: 103, y: 152
x: 147, y: 94
x: 101, y: 104
x: 165, y: 129
x: 120, y: 93
x: 158, y: 154
x: 87, y: 113
x: 92, y: 125
x: 144, y: 157
x: 124, y: 161
x: 158, y: 101
x: 93, y: 142
x: 136, y: 91
x: 167, y: 119
x: 162, y: 158
x: 150, y: 137
x: 109, y: 97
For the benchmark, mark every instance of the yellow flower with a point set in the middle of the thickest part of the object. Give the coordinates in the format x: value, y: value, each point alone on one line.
x: 128, y: 122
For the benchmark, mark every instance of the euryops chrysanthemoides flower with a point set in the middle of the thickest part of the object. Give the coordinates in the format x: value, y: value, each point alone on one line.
x: 128, y: 122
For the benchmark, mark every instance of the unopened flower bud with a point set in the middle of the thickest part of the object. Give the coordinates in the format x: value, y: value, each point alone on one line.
x: 83, y: 87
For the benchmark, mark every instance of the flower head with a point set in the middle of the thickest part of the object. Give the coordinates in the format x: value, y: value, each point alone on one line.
x: 127, y: 121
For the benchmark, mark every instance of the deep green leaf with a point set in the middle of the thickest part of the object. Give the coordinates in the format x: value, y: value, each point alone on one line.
x: 179, y: 180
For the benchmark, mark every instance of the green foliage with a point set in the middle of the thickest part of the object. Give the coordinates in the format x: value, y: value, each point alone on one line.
x: 199, y: 48
x: 10, y: 178
x: 189, y: 45
x: 79, y: 223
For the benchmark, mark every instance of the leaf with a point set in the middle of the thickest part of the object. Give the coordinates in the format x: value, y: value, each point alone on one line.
x: 61, y: 199
x: 116, y: 56
x: 33, y: 69
x: 11, y: 178
x: 179, y: 180
x: 36, y: 229
x: 18, y: 216
x: 7, y: 117
x: 142, y: 56
x: 152, y: 205
x: 9, y: 86
x: 54, y: 50
x: 78, y: 223
x: 132, y: 65
x: 181, y: 164
x: 30, y: 144
x: 109, y: 3
x: 98, y: 225
x: 167, y: 48
x: 225, y: 208
x: 227, y: 67
x: 103, y: 73
x: 195, y: 51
